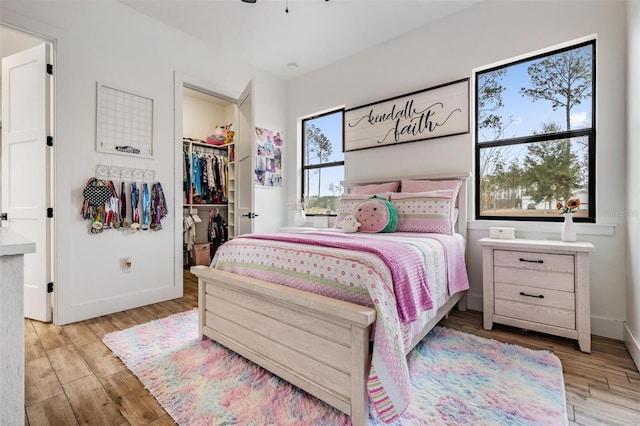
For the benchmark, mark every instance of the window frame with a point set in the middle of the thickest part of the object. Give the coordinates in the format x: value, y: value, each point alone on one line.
x: 589, y: 133
x: 303, y: 146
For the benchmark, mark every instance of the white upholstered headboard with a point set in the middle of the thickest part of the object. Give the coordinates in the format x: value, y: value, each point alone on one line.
x: 461, y: 202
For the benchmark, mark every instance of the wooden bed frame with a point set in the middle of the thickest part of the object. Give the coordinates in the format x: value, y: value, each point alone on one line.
x: 316, y: 343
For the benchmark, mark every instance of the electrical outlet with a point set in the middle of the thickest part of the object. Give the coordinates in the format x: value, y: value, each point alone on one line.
x: 126, y: 264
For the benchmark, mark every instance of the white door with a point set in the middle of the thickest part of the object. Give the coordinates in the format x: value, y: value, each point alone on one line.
x: 245, y: 149
x: 26, y: 168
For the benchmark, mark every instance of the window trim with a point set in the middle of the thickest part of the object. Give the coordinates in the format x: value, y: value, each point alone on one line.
x: 304, y: 167
x: 590, y: 133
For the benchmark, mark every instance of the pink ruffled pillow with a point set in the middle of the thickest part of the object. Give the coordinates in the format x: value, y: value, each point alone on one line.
x: 377, y: 188
x: 409, y: 185
x: 430, y: 212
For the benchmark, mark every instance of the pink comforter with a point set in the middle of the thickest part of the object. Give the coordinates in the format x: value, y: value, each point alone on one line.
x: 405, y: 263
x: 360, y: 277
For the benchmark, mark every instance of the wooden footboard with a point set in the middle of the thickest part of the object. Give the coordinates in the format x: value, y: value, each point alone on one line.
x: 316, y: 343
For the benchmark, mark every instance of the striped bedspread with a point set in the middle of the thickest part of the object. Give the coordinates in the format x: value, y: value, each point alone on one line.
x: 341, y: 271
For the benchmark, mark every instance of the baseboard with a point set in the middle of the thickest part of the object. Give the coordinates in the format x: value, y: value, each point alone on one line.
x: 606, y: 327
x: 106, y: 306
x: 633, y: 345
x: 474, y: 302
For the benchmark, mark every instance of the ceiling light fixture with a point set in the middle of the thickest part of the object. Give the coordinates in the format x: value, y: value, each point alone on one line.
x: 286, y: 7
x: 292, y: 66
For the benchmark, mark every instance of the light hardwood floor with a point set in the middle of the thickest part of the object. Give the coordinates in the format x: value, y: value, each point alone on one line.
x: 73, y: 378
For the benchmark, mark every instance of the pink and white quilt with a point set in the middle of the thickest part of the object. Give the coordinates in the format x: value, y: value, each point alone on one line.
x: 404, y: 276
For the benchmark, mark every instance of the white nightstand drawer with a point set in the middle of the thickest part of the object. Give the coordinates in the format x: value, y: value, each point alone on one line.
x: 536, y: 296
x: 534, y: 261
x: 544, y: 270
x: 552, y: 280
x: 536, y: 313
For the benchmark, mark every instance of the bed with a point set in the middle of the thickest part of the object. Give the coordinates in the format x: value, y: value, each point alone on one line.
x: 330, y: 342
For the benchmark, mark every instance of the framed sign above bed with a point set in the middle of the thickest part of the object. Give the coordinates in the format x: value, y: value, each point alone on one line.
x: 426, y: 114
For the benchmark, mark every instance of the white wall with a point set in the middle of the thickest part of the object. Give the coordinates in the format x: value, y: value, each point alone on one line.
x: 449, y: 50
x: 632, y: 325
x: 109, y: 42
x: 271, y: 102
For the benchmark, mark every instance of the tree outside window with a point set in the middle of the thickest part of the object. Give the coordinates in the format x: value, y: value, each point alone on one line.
x: 322, y: 163
x: 535, y: 136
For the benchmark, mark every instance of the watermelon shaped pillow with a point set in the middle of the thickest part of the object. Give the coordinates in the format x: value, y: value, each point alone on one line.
x: 376, y: 215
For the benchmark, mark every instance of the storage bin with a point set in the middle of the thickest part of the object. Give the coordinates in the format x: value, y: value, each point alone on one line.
x: 201, y: 254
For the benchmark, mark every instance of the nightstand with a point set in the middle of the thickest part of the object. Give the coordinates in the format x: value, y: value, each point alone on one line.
x: 538, y: 285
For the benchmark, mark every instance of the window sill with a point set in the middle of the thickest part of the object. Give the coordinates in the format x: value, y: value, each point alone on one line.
x: 538, y: 229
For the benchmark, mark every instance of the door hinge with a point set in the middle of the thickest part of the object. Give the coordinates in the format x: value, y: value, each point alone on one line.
x: 3, y: 216
x: 50, y: 69
x: 49, y: 140
x: 49, y: 211
x: 50, y: 287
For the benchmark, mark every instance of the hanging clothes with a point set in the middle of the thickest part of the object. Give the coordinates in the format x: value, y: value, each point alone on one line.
x: 206, y: 181
x: 189, y: 230
x: 158, y: 206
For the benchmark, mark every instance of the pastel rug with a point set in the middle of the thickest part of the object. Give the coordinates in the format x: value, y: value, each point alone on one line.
x: 458, y: 379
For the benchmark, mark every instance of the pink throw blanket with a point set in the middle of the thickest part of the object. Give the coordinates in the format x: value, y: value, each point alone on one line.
x: 406, y: 265
x: 457, y: 278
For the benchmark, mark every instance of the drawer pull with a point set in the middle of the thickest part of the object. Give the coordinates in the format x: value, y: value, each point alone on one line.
x: 531, y: 261
x: 538, y: 296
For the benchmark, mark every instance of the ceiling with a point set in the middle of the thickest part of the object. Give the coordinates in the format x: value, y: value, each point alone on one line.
x: 15, y: 41
x: 313, y: 34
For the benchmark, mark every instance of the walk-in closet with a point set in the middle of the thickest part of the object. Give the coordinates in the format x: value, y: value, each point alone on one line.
x: 209, y: 178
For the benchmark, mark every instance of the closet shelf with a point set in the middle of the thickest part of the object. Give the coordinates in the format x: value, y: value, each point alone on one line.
x: 223, y: 147
x: 204, y: 205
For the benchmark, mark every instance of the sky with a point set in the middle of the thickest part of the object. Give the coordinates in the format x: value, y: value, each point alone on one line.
x: 331, y: 127
x: 527, y: 116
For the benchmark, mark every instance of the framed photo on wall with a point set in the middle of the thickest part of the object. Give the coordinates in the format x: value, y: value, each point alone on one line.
x: 426, y: 114
x: 268, y: 166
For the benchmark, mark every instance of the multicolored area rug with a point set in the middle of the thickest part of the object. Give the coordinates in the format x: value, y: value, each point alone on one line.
x: 458, y: 379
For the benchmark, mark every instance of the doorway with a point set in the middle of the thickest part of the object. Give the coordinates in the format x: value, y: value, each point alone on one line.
x: 27, y: 160
x: 199, y: 108
x: 209, y: 178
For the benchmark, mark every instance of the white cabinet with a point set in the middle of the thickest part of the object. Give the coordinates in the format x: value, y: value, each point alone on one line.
x: 12, y: 249
x: 538, y: 285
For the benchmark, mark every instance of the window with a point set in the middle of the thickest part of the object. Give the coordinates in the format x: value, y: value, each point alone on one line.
x: 535, y: 136
x: 322, y: 162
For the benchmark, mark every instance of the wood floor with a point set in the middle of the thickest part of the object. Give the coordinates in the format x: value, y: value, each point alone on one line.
x: 73, y: 378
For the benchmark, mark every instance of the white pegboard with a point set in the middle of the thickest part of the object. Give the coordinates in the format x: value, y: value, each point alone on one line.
x: 124, y: 122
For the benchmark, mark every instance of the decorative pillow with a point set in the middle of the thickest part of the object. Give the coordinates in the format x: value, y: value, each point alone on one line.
x: 350, y: 225
x: 409, y: 185
x: 431, y: 212
x: 348, y: 202
x: 376, y: 215
x: 376, y: 188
